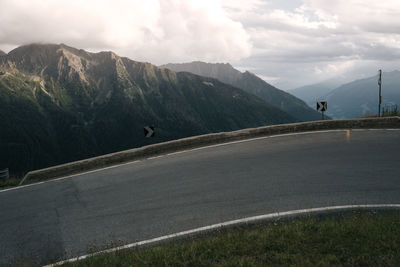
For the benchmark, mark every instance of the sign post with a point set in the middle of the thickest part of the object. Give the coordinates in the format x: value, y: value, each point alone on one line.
x: 322, y: 106
x: 380, y: 93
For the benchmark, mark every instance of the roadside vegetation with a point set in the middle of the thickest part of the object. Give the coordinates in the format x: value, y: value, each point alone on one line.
x: 390, y: 111
x: 387, y: 111
x: 351, y: 239
x: 10, y: 182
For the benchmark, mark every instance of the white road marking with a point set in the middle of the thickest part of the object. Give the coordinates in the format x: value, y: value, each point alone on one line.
x: 156, y: 157
x: 253, y: 139
x: 70, y: 176
x: 389, y: 129
x: 274, y: 136
x: 231, y: 223
x: 193, y: 149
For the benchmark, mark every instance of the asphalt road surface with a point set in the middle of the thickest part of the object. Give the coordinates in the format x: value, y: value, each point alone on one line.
x: 182, y: 191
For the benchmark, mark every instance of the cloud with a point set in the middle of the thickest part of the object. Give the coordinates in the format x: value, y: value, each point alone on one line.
x: 291, y: 43
x: 334, y: 68
x: 153, y: 30
x: 297, y: 41
x: 360, y: 16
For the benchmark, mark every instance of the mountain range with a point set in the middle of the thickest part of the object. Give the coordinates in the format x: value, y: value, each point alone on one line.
x: 315, y: 92
x: 360, y: 97
x: 60, y: 104
x: 353, y: 99
x: 251, y: 84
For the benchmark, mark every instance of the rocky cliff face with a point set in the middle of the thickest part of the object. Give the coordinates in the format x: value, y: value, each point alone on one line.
x: 59, y: 104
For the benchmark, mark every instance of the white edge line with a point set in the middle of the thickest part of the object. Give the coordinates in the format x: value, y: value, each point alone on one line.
x: 189, y: 150
x: 156, y: 157
x: 70, y: 176
x: 273, y: 136
x: 228, y: 223
x: 254, y: 139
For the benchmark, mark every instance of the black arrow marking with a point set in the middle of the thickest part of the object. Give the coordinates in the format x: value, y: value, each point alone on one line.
x: 149, y: 131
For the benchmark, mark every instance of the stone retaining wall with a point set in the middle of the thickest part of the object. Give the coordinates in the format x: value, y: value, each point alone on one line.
x: 203, y: 140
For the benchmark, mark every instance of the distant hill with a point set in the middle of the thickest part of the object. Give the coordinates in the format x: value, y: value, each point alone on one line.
x: 2, y: 53
x: 252, y: 84
x: 59, y: 104
x: 314, y: 92
x: 358, y: 98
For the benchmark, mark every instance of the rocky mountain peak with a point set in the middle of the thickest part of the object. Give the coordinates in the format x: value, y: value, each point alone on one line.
x: 72, y: 104
x: 251, y: 84
x: 222, y: 71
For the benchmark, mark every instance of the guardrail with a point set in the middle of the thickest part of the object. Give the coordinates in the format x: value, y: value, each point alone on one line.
x: 4, y: 174
x: 203, y: 140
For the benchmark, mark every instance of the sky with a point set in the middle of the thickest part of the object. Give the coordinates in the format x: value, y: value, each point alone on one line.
x: 287, y: 43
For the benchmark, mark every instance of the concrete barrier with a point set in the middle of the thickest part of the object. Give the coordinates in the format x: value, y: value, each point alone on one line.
x: 203, y: 140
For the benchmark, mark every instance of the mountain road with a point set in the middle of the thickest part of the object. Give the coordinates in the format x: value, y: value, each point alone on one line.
x: 144, y: 199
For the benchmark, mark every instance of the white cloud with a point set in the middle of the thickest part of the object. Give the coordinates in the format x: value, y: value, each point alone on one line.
x: 317, y: 39
x: 362, y: 16
x: 296, y: 41
x: 334, y: 68
x: 153, y: 30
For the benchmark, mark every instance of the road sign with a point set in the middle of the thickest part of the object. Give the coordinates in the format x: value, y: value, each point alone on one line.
x: 149, y: 131
x: 322, y: 106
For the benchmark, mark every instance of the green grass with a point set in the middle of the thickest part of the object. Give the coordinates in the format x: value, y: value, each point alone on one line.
x: 393, y: 114
x: 391, y: 111
x: 10, y: 182
x: 351, y: 239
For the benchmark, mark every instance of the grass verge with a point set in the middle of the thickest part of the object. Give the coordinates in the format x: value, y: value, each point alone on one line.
x: 10, y: 182
x: 357, y: 238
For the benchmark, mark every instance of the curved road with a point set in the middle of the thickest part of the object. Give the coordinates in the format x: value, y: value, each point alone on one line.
x: 181, y: 191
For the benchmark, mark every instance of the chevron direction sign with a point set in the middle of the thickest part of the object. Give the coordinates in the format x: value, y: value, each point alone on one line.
x: 322, y: 106
x: 149, y: 131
